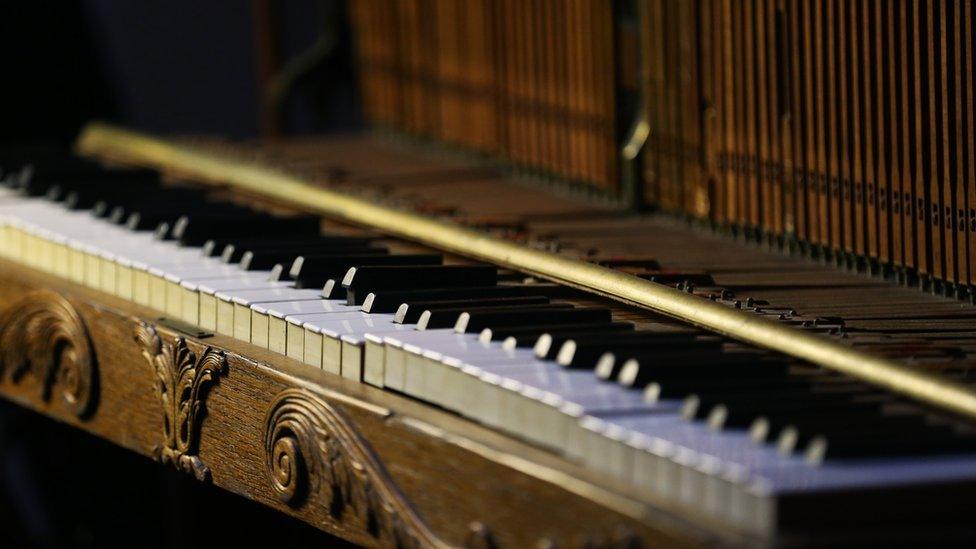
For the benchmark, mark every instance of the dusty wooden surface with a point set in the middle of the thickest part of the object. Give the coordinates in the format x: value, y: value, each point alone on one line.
x: 367, y: 465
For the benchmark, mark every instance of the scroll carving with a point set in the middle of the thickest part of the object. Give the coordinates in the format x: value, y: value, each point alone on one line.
x: 42, y: 337
x: 182, y: 383
x: 315, y: 454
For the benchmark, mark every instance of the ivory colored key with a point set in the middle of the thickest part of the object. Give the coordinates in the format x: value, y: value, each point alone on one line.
x: 200, y: 299
x: 311, y: 325
x: 276, y: 313
x: 242, y: 300
x: 393, y: 357
x: 308, y: 334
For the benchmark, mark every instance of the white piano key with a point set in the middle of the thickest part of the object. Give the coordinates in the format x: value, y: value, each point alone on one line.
x: 278, y: 326
x: 204, y: 295
x: 393, y: 356
x: 242, y: 300
x: 374, y: 359
x: 326, y: 330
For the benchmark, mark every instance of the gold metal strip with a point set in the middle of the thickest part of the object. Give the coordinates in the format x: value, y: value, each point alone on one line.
x: 99, y: 139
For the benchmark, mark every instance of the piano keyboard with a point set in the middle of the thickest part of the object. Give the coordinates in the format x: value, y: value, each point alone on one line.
x: 687, y: 417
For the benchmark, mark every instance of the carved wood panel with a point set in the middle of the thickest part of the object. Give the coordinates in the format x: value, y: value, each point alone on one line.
x: 316, y: 456
x: 44, y: 341
x: 182, y: 382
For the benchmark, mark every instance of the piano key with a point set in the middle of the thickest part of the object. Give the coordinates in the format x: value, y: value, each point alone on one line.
x: 200, y: 298
x: 420, y: 366
x: 898, y: 442
x: 195, y: 230
x: 325, y: 243
x: 700, y: 404
x: 363, y: 280
x: 409, y: 312
x: 448, y: 318
x: 551, y: 339
x: 593, y: 345
x: 540, y: 337
x: 793, y: 430
x: 314, y: 271
x: 285, y: 254
x: 389, y: 301
x: 316, y: 339
x: 675, y: 386
x: 391, y: 364
x: 584, y: 353
x: 234, y: 309
x: 640, y: 371
x: 476, y: 320
x: 276, y: 314
x: 535, y: 331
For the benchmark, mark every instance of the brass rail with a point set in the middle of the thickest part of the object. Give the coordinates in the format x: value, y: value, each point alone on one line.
x: 111, y: 142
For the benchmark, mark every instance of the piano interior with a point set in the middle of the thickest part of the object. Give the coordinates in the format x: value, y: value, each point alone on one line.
x: 591, y: 273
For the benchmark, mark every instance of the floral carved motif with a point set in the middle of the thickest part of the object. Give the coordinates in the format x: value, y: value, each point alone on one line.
x: 315, y: 455
x: 44, y: 339
x: 182, y: 383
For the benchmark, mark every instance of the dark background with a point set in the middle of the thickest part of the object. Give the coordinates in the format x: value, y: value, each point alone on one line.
x: 171, y: 66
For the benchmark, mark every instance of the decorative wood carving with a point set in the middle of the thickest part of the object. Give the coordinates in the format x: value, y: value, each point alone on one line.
x: 315, y: 454
x: 182, y: 382
x: 43, y: 337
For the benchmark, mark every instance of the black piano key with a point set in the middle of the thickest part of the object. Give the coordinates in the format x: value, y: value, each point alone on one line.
x: 314, y: 271
x: 41, y: 178
x: 258, y: 259
x: 669, y: 364
x: 841, y: 443
x: 195, y: 230
x: 677, y: 387
x: 550, y: 343
x: 148, y: 221
x: 149, y: 217
x: 539, y: 330
x: 699, y: 404
x: 744, y: 415
x: 388, y: 301
x: 289, y: 255
x: 432, y: 319
x: 475, y: 321
x: 313, y: 244
x: 584, y: 352
x: 120, y: 203
x: 409, y: 312
x: 122, y: 206
x: 625, y: 340
x: 803, y: 425
x: 80, y: 200
x: 361, y: 281
x: 92, y: 190
x: 48, y: 166
x: 531, y: 336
